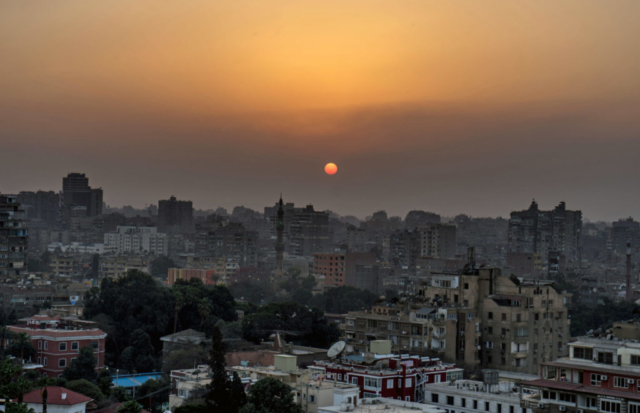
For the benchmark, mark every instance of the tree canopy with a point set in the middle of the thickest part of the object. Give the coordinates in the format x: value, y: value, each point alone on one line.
x: 82, y: 367
x: 270, y: 396
x: 139, y: 355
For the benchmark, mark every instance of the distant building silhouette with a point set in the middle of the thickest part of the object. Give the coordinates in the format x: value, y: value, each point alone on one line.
x: 175, y: 216
x: 78, y: 195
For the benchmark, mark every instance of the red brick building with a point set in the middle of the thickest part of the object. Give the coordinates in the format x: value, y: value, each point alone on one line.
x: 331, y: 266
x: 395, y: 377
x: 206, y: 276
x: 58, y: 341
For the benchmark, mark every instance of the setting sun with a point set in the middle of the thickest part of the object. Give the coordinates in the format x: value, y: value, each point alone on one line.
x: 331, y: 168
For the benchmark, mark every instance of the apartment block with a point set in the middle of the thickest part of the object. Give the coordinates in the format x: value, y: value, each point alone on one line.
x: 136, y: 240
x: 14, y: 239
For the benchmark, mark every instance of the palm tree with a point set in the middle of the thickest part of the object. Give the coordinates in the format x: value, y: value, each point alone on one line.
x: 204, y: 310
x: 43, y: 383
x: 22, y: 341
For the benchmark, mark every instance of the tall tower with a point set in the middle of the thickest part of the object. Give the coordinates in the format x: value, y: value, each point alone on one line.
x: 280, y: 241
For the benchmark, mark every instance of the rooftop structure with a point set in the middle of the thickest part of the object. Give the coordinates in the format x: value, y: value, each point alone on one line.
x: 385, y: 405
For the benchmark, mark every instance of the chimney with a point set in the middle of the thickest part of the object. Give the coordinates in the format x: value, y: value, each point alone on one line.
x: 629, y: 291
x: 64, y: 396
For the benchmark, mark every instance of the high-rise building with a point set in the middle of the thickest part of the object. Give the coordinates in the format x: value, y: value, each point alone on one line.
x: 13, y: 237
x: 175, y: 216
x: 537, y: 231
x: 305, y: 230
x: 280, y: 238
x: 79, y: 196
x: 137, y: 240
x: 624, y: 231
x: 232, y: 241
x: 40, y: 206
x: 438, y: 241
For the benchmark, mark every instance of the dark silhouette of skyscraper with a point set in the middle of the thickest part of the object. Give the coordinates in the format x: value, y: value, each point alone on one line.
x: 78, y: 194
x: 280, y: 240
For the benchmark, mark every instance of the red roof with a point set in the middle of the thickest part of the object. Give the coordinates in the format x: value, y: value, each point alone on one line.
x: 55, y: 396
x: 54, y: 333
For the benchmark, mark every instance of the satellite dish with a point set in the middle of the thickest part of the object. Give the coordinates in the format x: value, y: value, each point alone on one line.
x: 336, y: 349
x: 369, y: 357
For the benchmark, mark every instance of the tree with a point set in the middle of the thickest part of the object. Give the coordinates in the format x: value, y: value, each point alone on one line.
x: 185, y: 357
x: 160, y: 266
x: 104, y: 381
x: 192, y: 408
x: 341, y: 300
x: 82, y: 367
x: 140, y: 355
x: 271, y: 396
x: 119, y: 394
x: 130, y: 407
x: 21, y: 346
x: 13, y: 385
x: 44, y: 382
x: 150, y: 394
x: 87, y: 388
x: 126, y: 304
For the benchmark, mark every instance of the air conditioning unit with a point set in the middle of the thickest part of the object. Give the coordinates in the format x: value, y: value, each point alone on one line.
x: 630, y: 381
x: 604, y: 378
x: 562, y: 408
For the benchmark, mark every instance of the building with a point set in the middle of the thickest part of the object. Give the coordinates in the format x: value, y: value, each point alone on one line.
x: 470, y: 396
x: 313, y: 392
x: 206, y: 276
x: 438, y: 241
x: 79, y: 196
x: 41, y: 206
x: 59, y: 400
x: 624, y: 231
x: 388, y: 376
x: 184, y: 383
x: 131, y: 382
x: 181, y: 340
x: 119, y: 265
x: 382, y: 406
x: 280, y: 238
x: 330, y: 267
x: 232, y: 241
x: 626, y: 330
x: 58, y: 341
x: 475, y: 317
x: 536, y: 231
x: 175, y: 217
x: 525, y: 264
x: 600, y: 375
x: 136, y: 240
x: 14, y: 238
x: 305, y: 230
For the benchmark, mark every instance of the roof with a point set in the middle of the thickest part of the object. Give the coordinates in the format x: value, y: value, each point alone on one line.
x: 55, y: 333
x: 580, y: 388
x: 184, y: 333
x: 56, y: 395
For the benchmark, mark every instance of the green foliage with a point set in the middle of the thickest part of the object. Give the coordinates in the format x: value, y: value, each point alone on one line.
x: 192, y: 408
x: 196, y: 303
x: 341, y: 300
x: 592, y: 317
x: 160, y: 266
x: 119, y: 394
x: 13, y: 385
x: 157, y: 399
x: 271, y: 396
x: 21, y: 347
x: 223, y: 395
x: 140, y: 355
x: 18, y: 408
x: 104, y: 381
x: 123, y: 305
x: 82, y: 367
x: 87, y: 388
x: 185, y: 357
x: 303, y: 325
x: 130, y: 407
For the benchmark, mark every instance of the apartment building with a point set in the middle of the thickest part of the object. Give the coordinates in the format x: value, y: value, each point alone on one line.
x: 118, y: 266
x: 438, y: 241
x: 599, y: 375
x: 136, y: 240
x: 477, y: 317
x: 206, y: 276
x: 14, y: 239
x: 331, y: 267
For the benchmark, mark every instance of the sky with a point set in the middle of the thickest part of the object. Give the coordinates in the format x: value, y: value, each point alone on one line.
x: 450, y: 106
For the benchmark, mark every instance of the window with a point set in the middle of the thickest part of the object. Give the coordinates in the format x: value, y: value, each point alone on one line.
x: 450, y: 400
x: 466, y: 286
x: 39, y: 344
x: 62, y: 363
x: 354, y: 380
x: 490, y: 316
x: 46, y: 345
x: 610, y: 406
x: 635, y: 360
x: 434, y: 398
x: 390, y: 384
x: 75, y: 345
x: 181, y: 393
x: 62, y: 347
x: 486, y: 406
x: 475, y: 404
x: 567, y: 398
x: 312, y: 398
x: 620, y: 382
x: 634, y: 408
x: 464, y: 402
x: 45, y: 362
x: 504, y: 316
x: 407, y: 398
x: 370, y: 382
x: 499, y: 408
x: 606, y: 358
x: 340, y: 377
x: 490, y: 330
x: 511, y: 409
x: 408, y: 383
x: 39, y: 360
x: 585, y: 353
x: 595, y: 379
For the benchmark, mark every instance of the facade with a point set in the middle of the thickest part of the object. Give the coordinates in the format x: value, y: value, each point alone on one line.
x: 600, y: 375
x: 136, y: 240
x: 624, y: 231
x: 382, y: 406
x: 78, y: 195
x: 206, y: 276
x: 536, y: 231
x: 280, y: 238
x: 186, y: 383
x: 175, y: 216
x: 388, y: 376
x: 60, y: 341
x: 119, y: 265
x: 525, y: 264
x: 305, y: 230
x: 438, y: 241
x: 41, y: 206
x: 231, y: 240
x: 475, y: 318
x: 469, y: 396
x: 14, y: 238
x: 330, y: 267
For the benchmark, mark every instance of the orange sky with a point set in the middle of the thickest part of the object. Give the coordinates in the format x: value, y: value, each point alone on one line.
x: 299, y: 73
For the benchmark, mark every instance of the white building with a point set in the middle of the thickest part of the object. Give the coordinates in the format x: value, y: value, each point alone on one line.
x: 138, y: 240
x: 59, y: 400
x: 77, y: 247
x: 381, y: 405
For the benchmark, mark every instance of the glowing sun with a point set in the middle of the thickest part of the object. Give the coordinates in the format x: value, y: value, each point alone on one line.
x: 331, y: 168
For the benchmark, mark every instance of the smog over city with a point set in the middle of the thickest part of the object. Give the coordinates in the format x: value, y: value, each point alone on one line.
x: 320, y: 206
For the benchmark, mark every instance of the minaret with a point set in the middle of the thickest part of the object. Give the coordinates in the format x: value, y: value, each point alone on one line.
x: 280, y: 241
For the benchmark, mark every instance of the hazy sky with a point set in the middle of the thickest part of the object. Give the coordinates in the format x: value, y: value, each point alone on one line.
x: 450, y: 106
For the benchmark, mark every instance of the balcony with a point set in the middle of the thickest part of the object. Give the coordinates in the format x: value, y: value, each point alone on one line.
x: 532, y: 402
